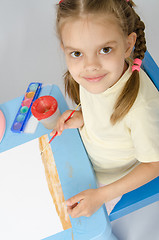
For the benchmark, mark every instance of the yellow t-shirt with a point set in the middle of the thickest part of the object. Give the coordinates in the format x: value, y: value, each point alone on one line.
x: 116, y: 150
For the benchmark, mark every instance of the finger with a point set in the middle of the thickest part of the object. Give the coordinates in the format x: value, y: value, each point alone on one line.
x: 53, y: 132
x: 69, y: 124
x: 73, y: 206
x: 76, y: 211
x: 75, y: 199
x: 65, y: 115
x: 61, y: 123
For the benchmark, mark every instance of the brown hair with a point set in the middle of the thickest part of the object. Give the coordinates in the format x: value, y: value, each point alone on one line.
x: 129, y: 22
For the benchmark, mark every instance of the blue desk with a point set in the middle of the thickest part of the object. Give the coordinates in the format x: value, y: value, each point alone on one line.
x: 68, y: 150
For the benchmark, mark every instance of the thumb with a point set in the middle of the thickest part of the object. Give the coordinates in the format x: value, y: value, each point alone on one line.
x: 69, y: 123
x: 73, y: 200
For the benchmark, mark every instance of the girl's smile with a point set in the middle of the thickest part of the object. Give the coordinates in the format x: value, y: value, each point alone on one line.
x: 95, y: 53
x: 94, y: 78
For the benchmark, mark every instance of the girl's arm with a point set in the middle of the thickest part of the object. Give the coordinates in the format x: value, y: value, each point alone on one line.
x: 87, y: 202
x: 140, y: 175
x: 76, y: 121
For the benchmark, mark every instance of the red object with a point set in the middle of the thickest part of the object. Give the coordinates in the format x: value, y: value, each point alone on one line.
x: 136, y: 64
x: 44, y: 107
x: 61, y: 1
x: 53, y: 137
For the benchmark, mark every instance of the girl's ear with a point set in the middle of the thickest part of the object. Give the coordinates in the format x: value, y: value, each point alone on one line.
x: 131, y: 40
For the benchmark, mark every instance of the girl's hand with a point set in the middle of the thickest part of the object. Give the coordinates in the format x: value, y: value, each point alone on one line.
x: 85, y: 203
x: 76, y: 121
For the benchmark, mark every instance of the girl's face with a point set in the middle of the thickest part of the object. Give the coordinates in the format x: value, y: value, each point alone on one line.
x: 95, y: 49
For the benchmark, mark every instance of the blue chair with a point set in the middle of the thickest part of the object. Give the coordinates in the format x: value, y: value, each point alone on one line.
x: 148, y: 193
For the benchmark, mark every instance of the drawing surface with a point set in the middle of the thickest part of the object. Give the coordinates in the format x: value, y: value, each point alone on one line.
x: 31, y: 198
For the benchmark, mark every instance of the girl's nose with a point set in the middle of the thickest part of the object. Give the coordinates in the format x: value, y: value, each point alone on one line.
x: 92, y: 63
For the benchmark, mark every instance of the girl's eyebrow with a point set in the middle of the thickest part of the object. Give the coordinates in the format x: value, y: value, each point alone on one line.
x: 107, y: 44
x: 101, y: 45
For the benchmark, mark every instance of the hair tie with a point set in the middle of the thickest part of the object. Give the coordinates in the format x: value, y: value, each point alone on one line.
x: 136, y: 64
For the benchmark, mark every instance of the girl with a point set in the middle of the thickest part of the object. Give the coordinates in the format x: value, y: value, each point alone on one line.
x: 119, y: 116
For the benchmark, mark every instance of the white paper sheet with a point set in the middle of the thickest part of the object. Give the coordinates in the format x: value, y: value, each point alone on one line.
x: 27, y: 211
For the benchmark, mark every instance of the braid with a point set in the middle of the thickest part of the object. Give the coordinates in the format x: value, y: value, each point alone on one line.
x: 130, y: 91
x: 140, y: 45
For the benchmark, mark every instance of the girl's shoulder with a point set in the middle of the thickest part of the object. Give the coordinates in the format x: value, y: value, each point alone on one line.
x: 147, y: 90
x: 147, y: 101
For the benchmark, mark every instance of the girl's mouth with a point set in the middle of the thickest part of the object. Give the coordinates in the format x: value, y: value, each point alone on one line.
x: 94, y: 79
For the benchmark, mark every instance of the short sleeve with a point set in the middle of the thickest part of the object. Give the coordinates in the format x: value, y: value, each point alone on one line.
x: 145, y: 131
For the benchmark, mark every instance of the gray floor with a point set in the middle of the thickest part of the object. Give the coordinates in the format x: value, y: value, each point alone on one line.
x: 29, y: 51
x: 141, y: 224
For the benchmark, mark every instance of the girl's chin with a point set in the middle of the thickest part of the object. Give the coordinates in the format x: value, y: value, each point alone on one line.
x: 95, y: 90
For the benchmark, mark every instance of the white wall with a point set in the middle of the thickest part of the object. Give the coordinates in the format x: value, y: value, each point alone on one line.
x: 29, y: 49
x: 148, y: 11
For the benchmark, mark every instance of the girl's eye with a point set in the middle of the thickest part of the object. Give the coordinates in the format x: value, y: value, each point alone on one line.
x: 76, y: 54
x: 105, y: 50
